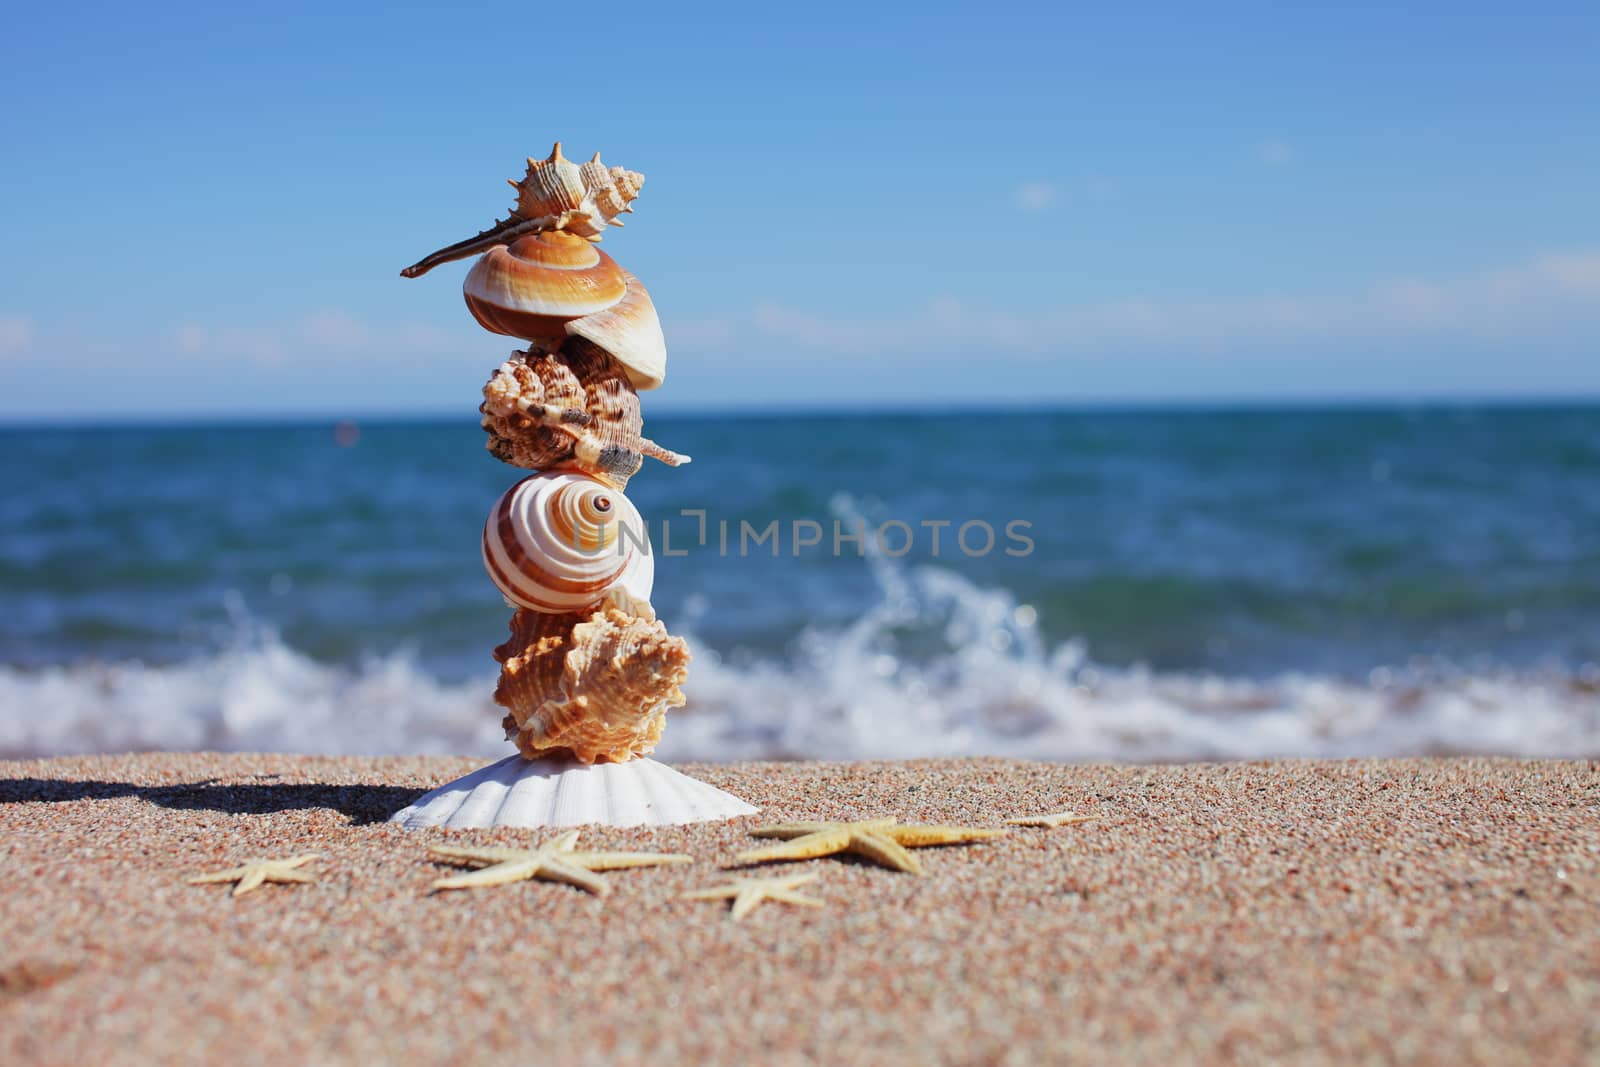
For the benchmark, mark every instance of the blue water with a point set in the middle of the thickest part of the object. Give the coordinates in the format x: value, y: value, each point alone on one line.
x: 1179, y: 584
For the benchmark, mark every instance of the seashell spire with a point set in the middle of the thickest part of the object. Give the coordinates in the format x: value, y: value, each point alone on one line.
x: 588, y: 673
x: 554, y: 194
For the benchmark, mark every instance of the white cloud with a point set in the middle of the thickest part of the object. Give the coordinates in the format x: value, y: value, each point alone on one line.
x: 1034, y: 196
x: 329, y: 333
x: 336, y: 329
x: 1101, y: 189
x: 698, y: 333
x: 1556, y: 294
x: 1041, y: 195
x: 1276, y: 154
x: 191, y: 338
x: 1508, y: 302
x: 1578, y: 272
x: 253, y: 345
x: 16, y: 334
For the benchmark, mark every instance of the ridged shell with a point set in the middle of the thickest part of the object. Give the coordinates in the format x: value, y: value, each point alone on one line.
x: 535, y: 286
x: 595, y: 688
x: 572, y: 407
x: 522, y: 793
x: 550, y: 186
x: 560, y: 541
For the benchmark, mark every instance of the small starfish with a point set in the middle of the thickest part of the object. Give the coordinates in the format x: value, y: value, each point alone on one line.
x: 255, y: 872
x: 557, y: 861
x: 746, y: 893
x: 883, y: 841
x: 1061, y: 818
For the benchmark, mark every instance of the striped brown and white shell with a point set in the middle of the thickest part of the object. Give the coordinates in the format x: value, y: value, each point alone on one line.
x: 572, y: 407
x: 550, y: 286
x: 534, y: 286
x: 592, y: 687
x: 561, y: 541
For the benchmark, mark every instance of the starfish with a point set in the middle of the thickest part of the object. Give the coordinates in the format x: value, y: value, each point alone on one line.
x: 255, y: 872
x: 557, y: 861
x: 746, y: 893
x: 883, y: 841
x: 1061, y: 818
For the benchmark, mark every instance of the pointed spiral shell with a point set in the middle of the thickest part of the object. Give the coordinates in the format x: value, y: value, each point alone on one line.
x: 555, y: 194
x: 582, y: 198
x: 560, y: 541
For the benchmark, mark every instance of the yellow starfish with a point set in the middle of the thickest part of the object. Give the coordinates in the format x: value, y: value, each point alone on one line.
x: 557, y: 860
x: 883, y: 841
x: 1062, y: 818
x: 255, y: 872
x: 746, y: 893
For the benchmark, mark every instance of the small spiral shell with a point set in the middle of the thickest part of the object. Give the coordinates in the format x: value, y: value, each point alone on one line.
x: 559, y: 541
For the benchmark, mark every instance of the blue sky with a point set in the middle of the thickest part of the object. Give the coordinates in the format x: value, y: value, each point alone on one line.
x: 206, y: 210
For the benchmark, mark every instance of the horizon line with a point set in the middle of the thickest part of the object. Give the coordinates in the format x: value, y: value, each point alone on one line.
x: 1083, y: 405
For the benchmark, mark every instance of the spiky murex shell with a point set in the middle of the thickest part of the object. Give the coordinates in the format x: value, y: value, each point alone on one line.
x: 585, y: 198
x: 555, y: 194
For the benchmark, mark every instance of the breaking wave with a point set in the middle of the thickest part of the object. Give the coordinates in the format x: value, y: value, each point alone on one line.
x: 939, y: 667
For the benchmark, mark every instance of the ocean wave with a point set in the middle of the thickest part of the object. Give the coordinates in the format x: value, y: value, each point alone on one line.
x: 939, y: 667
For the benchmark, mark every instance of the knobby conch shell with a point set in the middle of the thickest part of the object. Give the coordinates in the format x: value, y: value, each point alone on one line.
x: 592, y: 687
x: 561, y: 541
x: 568, y: 408
x: 555, y: 194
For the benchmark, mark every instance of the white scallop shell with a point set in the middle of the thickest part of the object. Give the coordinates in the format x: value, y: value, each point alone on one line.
x: 547, y: 549
x: 534, y: 793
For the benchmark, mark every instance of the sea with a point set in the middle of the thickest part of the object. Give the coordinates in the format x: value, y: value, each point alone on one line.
x: 1130, y: 585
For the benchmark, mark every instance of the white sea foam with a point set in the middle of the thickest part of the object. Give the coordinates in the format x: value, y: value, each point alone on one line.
x: 982, y: 682
x: 997, y: 689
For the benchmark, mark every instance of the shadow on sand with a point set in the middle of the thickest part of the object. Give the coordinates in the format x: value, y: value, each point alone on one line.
x: 361, y: 804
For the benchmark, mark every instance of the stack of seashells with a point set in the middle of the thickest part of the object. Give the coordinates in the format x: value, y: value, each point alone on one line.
x: 589, y: 671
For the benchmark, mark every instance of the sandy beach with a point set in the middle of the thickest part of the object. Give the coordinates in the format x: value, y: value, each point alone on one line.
x: 1437, y: 910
